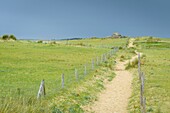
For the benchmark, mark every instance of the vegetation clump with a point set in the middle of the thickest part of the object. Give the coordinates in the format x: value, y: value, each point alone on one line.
x: 151, y: 39
x: 8, y: 37
x: 39, y: 41
x: 132, y: 64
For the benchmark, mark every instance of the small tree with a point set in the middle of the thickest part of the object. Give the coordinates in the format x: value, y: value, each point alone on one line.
x: 5, y: 37
x: 8, y: 37
x: 12, y: 37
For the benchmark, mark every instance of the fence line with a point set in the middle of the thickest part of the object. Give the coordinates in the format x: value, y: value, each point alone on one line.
x: 52, y: 86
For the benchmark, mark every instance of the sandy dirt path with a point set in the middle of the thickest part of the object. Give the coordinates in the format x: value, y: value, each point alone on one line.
x: 131, y: 43
x: 114, y: 99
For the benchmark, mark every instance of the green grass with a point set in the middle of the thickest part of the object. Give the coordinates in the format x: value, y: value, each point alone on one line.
x: 156, y: 66
x: 98, y: 43
x: 24, y: 64
x: 84, y: 94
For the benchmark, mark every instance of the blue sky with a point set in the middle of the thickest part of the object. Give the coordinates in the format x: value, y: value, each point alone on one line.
x: 56, y: 19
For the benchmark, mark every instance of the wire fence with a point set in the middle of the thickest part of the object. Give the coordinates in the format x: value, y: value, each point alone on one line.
x: 49, y: 87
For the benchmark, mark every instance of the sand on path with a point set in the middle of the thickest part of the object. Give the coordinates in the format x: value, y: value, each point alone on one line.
x: 114, y: 99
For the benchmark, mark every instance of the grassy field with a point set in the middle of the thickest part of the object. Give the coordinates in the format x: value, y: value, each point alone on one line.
x: 97, y: 43
x: 24, y: 64
x: 156, y: 66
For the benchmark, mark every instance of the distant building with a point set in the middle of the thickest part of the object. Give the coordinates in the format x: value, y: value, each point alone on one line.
x: 116, y: 35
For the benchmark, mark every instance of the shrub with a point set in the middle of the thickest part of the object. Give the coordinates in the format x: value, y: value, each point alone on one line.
x: 132, y: 64
x: 5, y: 37
x: 122, y: 56
x: 8, y: 37
x: 128, y: 66
x: 120, y: 47
x: 12, y: 37
x: 53, y: 42
x: 39, y: 41
x: 81, y: 44
x: 151, y: 39
x: 93, y: 37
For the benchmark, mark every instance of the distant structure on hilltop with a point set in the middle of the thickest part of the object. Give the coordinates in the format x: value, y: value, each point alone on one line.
x: 118, y: 35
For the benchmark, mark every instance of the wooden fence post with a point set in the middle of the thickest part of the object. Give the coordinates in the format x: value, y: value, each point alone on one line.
x: 41, y: 90
x: 144, y: 104
x: 139, y: 69
x: 115, y: 49
x: 101, y: 58
x: 76, y: 74
x: 142, y: 98
x: 97, y: 61
x: 62, y: 80
x: 142, y: 84
x: 92, y: 64
x: 85, y: 70
x: 107, y: 55
x: 104, y: 58
x: 110, y: 53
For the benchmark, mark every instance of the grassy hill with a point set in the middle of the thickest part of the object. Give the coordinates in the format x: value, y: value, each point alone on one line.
x: 24, y: 64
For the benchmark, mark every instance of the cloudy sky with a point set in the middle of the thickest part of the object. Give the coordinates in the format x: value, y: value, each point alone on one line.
x: 56, y: 19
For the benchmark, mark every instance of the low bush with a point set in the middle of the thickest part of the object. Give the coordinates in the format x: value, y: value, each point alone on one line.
x: 8, y: 37
x: 39, y: 41
x: 132, y: 64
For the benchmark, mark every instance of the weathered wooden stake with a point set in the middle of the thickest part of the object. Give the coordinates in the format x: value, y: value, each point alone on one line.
x: 85, y: 70
x: 101, y: 58
x: 97, y: 61
x: 62, y: 80
x: 144, y: 104
x: 110, y: 53
x: 41, y: 90
x: 92, y: 64
x: 139, y: 69
x: 142, y: 98
x: 142, y: 84
x: 117, y: 49
x: 76, y: 74
x: 105, y: 58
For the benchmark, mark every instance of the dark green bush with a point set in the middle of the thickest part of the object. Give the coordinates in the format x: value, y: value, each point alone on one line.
x: 39, y: 41
x: 5, y: 37
x: 12, y: 37
x: 8, y: 37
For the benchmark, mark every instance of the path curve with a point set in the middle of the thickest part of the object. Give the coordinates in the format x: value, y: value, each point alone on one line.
x: 114, y: 99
